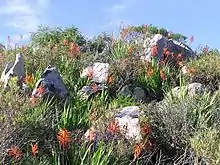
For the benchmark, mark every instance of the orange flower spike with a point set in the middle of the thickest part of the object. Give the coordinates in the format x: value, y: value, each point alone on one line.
x: 150, y: 72
x: 34, y: 149
x: 154, y: 50
x: 92, y: 135
x: 91, y: 73
x: 74, y: 48
x: 163, y: 75
x: 180, y: 63
x: 146, y: 129
x: 130, y: 50
x: 16, y: 153
x: 64, y: 138
x: 110, y: 79
x: 41, y: 90
x: 114, y: 127
x: 95, y: 87
x: 65, y: 42
x: 206, y: 50
x: 29, y: 79
x: 137, y: 150
x: 180, y: 57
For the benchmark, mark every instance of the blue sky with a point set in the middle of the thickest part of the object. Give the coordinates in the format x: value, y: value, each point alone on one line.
x: 189, y: 17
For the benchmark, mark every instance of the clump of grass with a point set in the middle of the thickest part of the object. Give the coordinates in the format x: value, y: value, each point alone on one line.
x: 206, y: 70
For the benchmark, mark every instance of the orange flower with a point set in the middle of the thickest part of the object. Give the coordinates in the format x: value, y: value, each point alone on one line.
x: 91, y: 73
x: 34, y: 100
x: 150, y: 72
x: 29, y: 79
x: 110, y: 79
x: 95, y: 87
x: 180, y: 57
x: 154, y: 50
x: 124, y: 33
x: 64, y: 138
x: 65, y: 42
x: 15, y: 152
x: 191, y: 39
x: 146, y: 129
x: 180, y: 63
x: 41, y: 90
x: 166, y: 52
x: 92, y: 135
x: 74, y: 48
x: 130, y: 50
x: 191, y: 72
x: 138, y: 149
x: 163, y: 75
x: 34, y: 149
x: 206, y: 49
x: 114, y: 128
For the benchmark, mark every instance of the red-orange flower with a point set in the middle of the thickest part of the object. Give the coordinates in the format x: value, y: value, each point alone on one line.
x: 150, y: 72
x: 92, y: 135
x: 179, y: 57
x: 15, y: 152
x: 130, y: 50
x: 146, y: 129
x: 28, y: 79
x: 154, y: 50
x: 74, y: 48
x: 191, y: 39
x: 110, y: 79
x: 64, y: 138
x: 138, y: 149
x: 114, y: 128
x: 180, y: 63
x: 91, y: 73
x: 65, y: 42
x: 206, y: 50
x: 34, y: 149
x: 95, y: 87
x: 41, y: 90
x: 163, y: 75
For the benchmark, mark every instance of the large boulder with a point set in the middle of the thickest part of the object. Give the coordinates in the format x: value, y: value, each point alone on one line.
x: 171, y: 45
x: 14, y: 69
x: 129, y: 117
x: 50, y: 84
x: 98, y: 72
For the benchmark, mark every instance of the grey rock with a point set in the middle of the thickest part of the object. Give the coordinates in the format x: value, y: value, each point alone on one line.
x: 52, y: 82
x: 139, y: 94
x: 190, y: 90
x: 170, y: 44
x: 87, y: 91
x: 14, y: 69
x: 125, y: 91
x: 195, y: 88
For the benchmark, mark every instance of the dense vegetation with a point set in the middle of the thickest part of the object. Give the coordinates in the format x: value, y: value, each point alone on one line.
x: 179, y: 131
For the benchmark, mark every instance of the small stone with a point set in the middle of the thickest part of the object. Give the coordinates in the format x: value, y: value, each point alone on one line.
x: 139, y: 94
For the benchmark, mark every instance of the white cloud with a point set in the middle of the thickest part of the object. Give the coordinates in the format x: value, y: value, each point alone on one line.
x: 117, y: 13
x: 25, y: 15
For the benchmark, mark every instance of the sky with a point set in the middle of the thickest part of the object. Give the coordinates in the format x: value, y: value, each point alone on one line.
x: 198, y: 18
